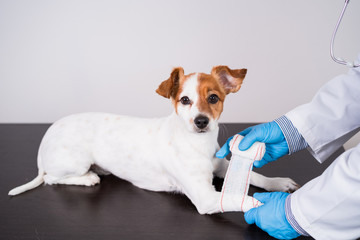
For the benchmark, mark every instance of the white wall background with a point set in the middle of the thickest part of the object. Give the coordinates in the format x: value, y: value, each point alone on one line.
x: 63, y: 57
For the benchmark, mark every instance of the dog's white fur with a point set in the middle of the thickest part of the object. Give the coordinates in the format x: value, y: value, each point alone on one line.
x: 166, y: 154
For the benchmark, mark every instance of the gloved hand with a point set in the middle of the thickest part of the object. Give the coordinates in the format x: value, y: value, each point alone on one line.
x: 271, y: 217
x: 269, y: 133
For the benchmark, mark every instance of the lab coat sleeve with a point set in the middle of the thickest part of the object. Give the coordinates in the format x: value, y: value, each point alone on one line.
x: 332, y: 117
x: 328, y: 207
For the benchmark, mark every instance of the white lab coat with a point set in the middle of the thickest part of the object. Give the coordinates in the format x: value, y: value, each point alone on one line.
x: 328, y: 207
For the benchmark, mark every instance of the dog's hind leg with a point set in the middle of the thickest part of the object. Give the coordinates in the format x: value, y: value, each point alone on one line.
x: 68, y: 164
x: 88, y: 179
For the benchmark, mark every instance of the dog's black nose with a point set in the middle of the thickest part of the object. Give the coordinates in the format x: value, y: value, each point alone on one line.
x: 201, y: 121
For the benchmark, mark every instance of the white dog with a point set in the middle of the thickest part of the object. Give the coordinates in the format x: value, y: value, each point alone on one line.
x: 175, y: 153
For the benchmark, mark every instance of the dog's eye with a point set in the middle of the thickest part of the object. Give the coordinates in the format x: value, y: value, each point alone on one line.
x: 185, y: 100
x: 213, y: 99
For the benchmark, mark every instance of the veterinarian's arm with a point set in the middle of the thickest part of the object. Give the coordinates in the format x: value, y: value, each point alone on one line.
x: 332, y: 117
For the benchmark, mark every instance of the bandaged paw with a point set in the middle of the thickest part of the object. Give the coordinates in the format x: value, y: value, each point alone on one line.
x: 234, y: 193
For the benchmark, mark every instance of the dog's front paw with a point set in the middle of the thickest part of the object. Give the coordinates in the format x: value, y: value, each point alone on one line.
x: 282, y: 185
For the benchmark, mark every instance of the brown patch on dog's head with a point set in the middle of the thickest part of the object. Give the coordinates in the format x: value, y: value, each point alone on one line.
x: 211, y: 95
x: 221, y: 82
x: 172, y: 87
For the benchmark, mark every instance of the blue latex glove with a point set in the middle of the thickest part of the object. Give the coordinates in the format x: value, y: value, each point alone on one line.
x: 268, y: 133
x: 271, y: 217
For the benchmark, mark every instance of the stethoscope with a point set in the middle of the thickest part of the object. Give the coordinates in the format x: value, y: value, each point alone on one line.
x: 339, y: 60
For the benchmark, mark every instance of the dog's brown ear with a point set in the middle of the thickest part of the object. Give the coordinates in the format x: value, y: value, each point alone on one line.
x: 231, y: 80
x: 170, y: 87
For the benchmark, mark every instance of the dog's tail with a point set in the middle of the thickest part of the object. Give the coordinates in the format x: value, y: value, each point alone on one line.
x: 30, y: 185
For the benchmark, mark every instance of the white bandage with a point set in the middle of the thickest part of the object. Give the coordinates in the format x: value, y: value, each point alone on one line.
x: 237, y: 179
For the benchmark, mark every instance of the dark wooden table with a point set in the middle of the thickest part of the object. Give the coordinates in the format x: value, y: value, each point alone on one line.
x: 116, y: 209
